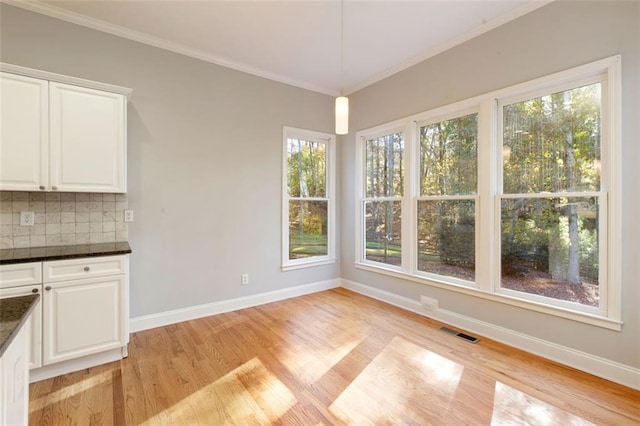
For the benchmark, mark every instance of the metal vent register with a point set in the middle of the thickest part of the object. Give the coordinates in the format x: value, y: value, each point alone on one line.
x: 460, y: 335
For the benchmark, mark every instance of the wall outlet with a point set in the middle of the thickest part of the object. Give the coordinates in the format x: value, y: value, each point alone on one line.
x: 429, y: 303
x: 27, y: 218
x: 128, y: 215
x: 244, y: 279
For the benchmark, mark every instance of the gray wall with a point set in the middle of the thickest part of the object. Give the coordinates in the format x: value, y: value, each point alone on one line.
x: 556, y: 37
x: 205, y: 147
x: 204, y: 160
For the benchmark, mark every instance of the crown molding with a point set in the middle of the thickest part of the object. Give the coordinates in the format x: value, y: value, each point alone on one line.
x: 529, y: 6
x: 117, y: 30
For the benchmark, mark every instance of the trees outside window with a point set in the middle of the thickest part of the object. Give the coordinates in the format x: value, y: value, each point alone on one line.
x: 382, y: 204
x: 446, y: 204
x: 551, y: 195
x: 308, y: 198
x: 512, y: 196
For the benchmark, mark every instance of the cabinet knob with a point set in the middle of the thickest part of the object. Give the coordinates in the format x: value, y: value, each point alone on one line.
x: 42, y: 188
x: 35, y: 290
x: 48, y: 288
x: 86, y: 269
x: 55, y: 188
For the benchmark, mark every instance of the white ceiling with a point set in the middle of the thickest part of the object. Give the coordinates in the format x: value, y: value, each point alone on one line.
x: 296, y: 41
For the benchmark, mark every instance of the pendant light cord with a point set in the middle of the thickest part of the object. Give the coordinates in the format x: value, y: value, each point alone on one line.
x: 341, y: 47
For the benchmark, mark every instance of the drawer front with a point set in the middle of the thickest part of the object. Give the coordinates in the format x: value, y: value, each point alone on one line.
x: 20, y: 274
x: 88, y: 267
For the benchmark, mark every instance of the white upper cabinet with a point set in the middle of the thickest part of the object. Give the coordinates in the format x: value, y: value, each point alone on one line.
x: 24, y: 120
x: 87, y: 139
x: 57, y: 136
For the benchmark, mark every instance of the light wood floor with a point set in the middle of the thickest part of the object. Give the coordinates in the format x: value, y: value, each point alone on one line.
x: 328, y: 358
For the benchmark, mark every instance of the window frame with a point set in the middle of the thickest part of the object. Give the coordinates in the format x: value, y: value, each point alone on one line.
x: 329, y: 140
x: 607, y: 71
x: 362, y: 198
x: 449, y: 113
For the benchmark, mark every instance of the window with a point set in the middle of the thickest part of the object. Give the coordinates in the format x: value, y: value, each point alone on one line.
x: 308, y: 205
x: 511, y: 196
x: 551, y: 195
x: 382, y: 203
x: 447, y: 198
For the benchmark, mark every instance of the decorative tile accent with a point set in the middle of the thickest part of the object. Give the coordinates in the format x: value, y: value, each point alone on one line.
x: 63, y: 218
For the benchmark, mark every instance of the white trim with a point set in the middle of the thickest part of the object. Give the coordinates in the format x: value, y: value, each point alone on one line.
x: 161, y: 319
x: 519, y: 302
x: 117, y: 30
x: 77, y: 364
x: 309, y: 263
x: 330, y: 197
x: 488, y: 107
x: 527, y: 7
x: 601, y: 367
x: 65, y: 79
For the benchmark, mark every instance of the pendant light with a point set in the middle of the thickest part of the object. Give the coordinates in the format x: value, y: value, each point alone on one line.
x: 342, y: 102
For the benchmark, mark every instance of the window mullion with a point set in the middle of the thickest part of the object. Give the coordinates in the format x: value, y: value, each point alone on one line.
x: 485, y: 227
x: 409, y: 210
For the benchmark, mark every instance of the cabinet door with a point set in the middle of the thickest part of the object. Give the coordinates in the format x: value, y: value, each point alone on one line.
x: 87, y: 139
x: 83, y: 317
x: 24, y: 133
x: 35, y: 321
x: 14, y: 382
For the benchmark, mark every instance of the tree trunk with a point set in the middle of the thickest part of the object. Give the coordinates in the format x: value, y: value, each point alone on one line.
x: 573, y: 265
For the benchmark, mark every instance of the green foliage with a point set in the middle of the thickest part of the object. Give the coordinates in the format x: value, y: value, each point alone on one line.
x: 384, y: 166
x: 306, y: 168
x: 448, y: 157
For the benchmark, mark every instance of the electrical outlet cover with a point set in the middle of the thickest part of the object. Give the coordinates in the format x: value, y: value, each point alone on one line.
x: 27, y: 218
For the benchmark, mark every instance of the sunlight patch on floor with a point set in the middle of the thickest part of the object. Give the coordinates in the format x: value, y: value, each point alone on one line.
x: 73, y: 389
x: 250, y: 394
x: 311, y: 365
x: 512, y: 406
x: 401, y: 385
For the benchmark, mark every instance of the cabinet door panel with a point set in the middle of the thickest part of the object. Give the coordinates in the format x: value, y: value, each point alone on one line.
x: 35, y: 321
x: 82, y: 317
x: 87, y: 139
x: 24, y: 119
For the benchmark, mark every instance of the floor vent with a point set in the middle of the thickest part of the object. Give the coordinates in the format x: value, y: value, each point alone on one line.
x: 460, y: 335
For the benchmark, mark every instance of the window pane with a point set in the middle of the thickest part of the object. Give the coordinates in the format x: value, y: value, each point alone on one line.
x: 384, y: 168
x: 306, y: 168
x: 550, y: 247
x: 307, y: 229
x: 552, y: 143
x: 448, y: 157
x: 383, y: 228
x: 446, y: 238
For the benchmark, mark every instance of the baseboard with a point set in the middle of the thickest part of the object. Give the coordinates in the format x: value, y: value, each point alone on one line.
x: 179, y: 315
x: 601, y: 367
x: 69, y: 366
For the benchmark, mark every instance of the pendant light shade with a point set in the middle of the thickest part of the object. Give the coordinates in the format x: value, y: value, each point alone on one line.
x: 342, y: 115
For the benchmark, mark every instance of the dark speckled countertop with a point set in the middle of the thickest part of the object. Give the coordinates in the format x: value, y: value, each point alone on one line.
x: 14, y: 312
x: 40, y: 254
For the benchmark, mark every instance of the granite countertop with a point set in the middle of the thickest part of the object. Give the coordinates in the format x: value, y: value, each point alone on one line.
x: 14, y: 312
x: 40, y: 254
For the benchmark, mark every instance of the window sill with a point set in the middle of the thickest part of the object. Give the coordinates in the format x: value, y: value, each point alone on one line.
x: 308, y: 264
x: 586, y: 318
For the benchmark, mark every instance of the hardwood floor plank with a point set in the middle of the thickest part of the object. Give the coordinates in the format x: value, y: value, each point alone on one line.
x: 328, y: 358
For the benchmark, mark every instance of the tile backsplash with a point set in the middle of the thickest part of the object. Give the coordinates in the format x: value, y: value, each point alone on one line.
x: 62, y: 218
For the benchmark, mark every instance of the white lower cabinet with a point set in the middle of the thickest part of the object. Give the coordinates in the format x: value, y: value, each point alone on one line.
x: 83, y: 317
